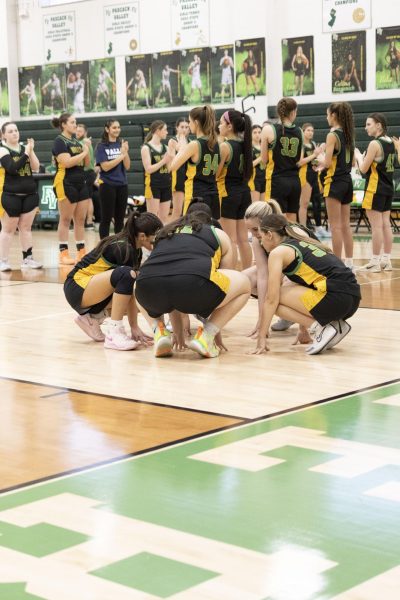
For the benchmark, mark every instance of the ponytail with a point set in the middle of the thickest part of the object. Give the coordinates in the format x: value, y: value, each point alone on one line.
x: 154, y: 127
x: 58, y: 122
x: 241, y: 125
x: 280, y: 225
x: 345, y: 118
x: 260, y: 209
x: 283, y: 109
x: 205, y: 116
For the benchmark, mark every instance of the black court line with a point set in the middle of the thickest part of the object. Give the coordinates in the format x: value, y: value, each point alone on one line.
x: 55, y: 394
x: 196, y: 436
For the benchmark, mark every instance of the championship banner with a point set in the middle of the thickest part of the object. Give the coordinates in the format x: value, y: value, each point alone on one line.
x: 4, y: 98
x: 250, y: 67
x: 167, y: 89
x: 139, y: 81
x: 77, y: 82
x: 121, y: 29
x: 388, y: 58
x: 59, y: 37
x: 222, y: 74
x: 342, y: 15
x: 349, y: 62
x: 30, y: 98
x: 196, y: 75
x: 190, y: 23
x: 102, y: 86
x: 298, y: 66
x: 52, y: 81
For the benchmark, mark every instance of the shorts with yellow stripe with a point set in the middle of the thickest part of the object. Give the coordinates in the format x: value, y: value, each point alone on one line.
x: 329, y: 306
x: 378, y: 202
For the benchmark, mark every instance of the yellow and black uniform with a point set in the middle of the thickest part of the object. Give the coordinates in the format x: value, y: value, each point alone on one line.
x: 299, y: 66
x: 200, y: 178
x: 307, y: 173
x: 282, y: 172
x: 117, y: 254
x: 234, y: 192
x: 338, y: 183
x: 333, y: 292
x: 69, y: 182
x: 18, y: 194
x: 181, y: 274
x: 158, y: 184
x: 179, y: 176
x: 257, y: 182
x: 379, y: 190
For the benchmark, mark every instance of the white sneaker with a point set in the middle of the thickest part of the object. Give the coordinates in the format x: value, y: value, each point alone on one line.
x: 371, y: 267
x: 321, y: 232
x: 5, y: 265
x: 30, y: 263
x: 387, y: 266
x: 91, y: 327
x: 343, y: 328
x: 322, y: 340
x: 281, y: 325
x: 117, y: 339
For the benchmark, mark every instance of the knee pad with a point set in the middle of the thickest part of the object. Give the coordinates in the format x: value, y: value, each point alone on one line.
x: 122, y: 280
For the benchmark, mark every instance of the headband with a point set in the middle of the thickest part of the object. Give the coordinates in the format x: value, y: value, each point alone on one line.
x: 226, y: 117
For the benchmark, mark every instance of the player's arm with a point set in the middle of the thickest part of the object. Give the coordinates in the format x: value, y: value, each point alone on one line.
x: 146, y: 160
x: 227, y: 254
x: 364, y: 162
x: 331, y: 141
x: 189, y: 151
x: 224, y: 152
x: 267, y: 137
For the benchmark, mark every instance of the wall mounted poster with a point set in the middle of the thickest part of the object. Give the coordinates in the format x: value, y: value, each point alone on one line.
x: 190, y: 23
x: 222, y: 74
x: 167, y: 89
x: 298, y: 66
x: 77, y: 78
x: 388, y: 58
x: 342, y: 15
x: 139, y: 81
x: 250, y: 67
x: 121, y: 29
x: 53, y: 89
x: 102, y: 85
x: 59, y: 37
x: 196, y: 75
x: 30, y: 98
x: 4, y: 98
x: 348, y: 62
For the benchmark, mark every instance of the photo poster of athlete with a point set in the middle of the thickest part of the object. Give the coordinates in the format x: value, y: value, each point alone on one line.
x: 387, y: 58
x: 139, y: 81
x: 167, y: 86
x: 222, y: 74
x: 52, y: 83
x: 348, y: 62
x: 250, y: 67
x: 4, y: 98
x: 298, y: 66
x: 77, y: 82
x: 196, y: 75
x: 102, y: 86
x: 30, y: 95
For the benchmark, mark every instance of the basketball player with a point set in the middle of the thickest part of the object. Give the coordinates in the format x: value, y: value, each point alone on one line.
x: 139, y: 83
x: 155, y: 159
x: 300, y: 65
x: 54, y: 85
x: 77, y: 84
x: 102, y: 87
x: 257, y: 181
x: 165, y: 86
x: 309, y: 181
x: 180, y: 140
x: 226, y: 64
x: 194, y: 71
x: 30, y: 91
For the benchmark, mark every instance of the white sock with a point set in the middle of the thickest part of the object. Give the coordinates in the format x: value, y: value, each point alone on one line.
x: 211, y: 328
x: 385, y: 258
x: 115, y: 324
x: 348, y: 262
x: 375, y: 258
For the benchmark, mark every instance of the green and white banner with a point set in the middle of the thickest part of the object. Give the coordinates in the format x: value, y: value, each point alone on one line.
x: 59, y: 37
x: 121, y: 29
x: 4, y: 99
x: 190, y: 23
x: 341, y: 15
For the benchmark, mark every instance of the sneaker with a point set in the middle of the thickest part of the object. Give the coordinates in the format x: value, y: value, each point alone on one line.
x: 281, y: 325
x: 117, y: 339
x: 321, y: 232
x: 30, y: 263
x: 343, y: 328
x: 371, y: 267
x: 65, y: 259
x: 168, y: 327
x: 162, y: 341
x: 322, y: 340
x: 89, y: 226
x: 80, y: 254
x: 5, y: 265
x: 91, y: 327
x: 387, y: 266
x: 203, y: 343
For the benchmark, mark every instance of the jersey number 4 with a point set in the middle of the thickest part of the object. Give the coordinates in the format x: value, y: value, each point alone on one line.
x: 390, y: 163
x: 210, y: 164
x: 290, y: 146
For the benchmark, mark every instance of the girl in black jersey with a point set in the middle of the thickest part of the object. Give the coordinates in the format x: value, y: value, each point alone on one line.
x: 202, y: 157
x: 393, y: 60
x: 309, y: 180
x: 300, y: 65
x: 257, y: 182
x: 234, y: 172
x: 324, y: 289
x: 71, y: 156
x: 281, y: 150
x: 378, y: 167
x: 106, y: 276
x: 18, y: 196
x: 155, y: 158
x: 338, y: 186
x: 180, y: 140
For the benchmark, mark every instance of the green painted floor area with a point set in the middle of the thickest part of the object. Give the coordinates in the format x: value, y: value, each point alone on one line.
x: 305, y: 506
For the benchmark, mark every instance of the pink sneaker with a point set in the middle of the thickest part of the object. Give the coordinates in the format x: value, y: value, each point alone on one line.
x: 116, y: 339
x: 91, y: 327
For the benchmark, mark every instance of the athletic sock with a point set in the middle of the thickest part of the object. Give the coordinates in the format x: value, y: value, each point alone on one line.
x: 26, y: 253
x: 348, y: 262
x: 80, y: 244
x: 375, y: 258
x: 63, y: 246
x: 113, y: 323
x: 385, y: 258
x: 211, y: 329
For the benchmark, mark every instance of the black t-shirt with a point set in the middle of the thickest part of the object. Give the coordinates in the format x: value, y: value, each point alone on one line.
x: 64, y: 145
x: 16, y: 172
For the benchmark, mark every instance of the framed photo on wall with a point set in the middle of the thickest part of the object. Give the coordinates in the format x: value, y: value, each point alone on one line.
x: 77, y: 84
x: 388, y: 58
x: 298, y: 66
x: 102, y: 86
x: 4, y: 97
x: 53, y: 89
x: 349, y: 62
x: 167, y: 89
x: 196, y: 75
x: 30, y: 97
x: 139, y: 81
x: 250, y: 67
x: 222, y: 74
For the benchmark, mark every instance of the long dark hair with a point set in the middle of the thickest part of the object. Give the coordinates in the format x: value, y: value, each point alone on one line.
x: 283, y: 109
x: 241, y: 124
x: 58, y: 122
x: 279, y: 224
x: 136, y: 223
x: 205, y: 116
x: 195, y: 220
x: 155, y: 126
x: 104, y: 136
x: 381, y: 119
x: 345, y: 118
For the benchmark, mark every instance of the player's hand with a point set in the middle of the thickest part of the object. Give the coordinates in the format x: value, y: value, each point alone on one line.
x: 30, y: 144
x: 139, y: 336
x: 396, y: 143
x: 178, y: 341
x: 261, y: 347
x: 302, y: 337
x: 88, y: 142
x: 219, y: 343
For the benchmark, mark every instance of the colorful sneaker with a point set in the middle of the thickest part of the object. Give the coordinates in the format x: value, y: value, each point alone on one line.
x: 371, y: 267
x: 322, y: 340
x: 343, y: 328
x: 281, y: 325
x: 162, y: 341
x: 65, y: 259
x: 5, y: 265
x: 30, y: 263
x: 386, y: 266
x: 80, y: 254
x: 117, y: 339
x: 204, y: 344
x: 91, y: 327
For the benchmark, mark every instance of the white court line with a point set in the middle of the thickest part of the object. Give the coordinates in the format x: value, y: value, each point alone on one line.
x: 69, y: 312
x: 388, y: 280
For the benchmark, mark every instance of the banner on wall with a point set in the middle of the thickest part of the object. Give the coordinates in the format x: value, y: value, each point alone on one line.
x: 196, y: 75
x: 222, y: 74
x: 4, y: 98
x: 139, y: 81
x: 53, y: 89
x: 388, y: 58
x: 121, y: 28
x: 341, y: 15
x: 167, y: 88
x: 298, y: 66
x: 349, y: 62
x: 250, y: 67
x: 29, y: 79
x: 190, y: 23
x: 77, y: 84
x: 59, y: 37
x: 102, y: 86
